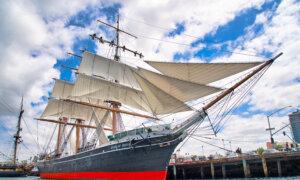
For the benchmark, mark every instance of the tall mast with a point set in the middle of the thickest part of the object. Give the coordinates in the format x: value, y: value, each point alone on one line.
x: 117, y: 57
x: 117, y: 43
x: 61, y: 129
x: 59, y: 137
x: 17, y: 136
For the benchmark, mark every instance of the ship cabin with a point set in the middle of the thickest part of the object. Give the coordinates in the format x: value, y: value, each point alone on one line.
x: 141, y: 133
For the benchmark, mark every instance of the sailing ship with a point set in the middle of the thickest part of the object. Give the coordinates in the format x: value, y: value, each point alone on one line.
x: 106, y: 89
x: 12, y: 168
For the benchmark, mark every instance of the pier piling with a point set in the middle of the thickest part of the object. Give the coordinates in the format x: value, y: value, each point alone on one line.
x: 201, y: 172
x: 246, y: 168
x: 265, y: 167
x: 223, y: 170
x: 212, y: 168
x: 279, y: 168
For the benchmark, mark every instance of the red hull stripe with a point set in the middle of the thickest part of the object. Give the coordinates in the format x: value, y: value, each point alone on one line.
x: 145, y: 175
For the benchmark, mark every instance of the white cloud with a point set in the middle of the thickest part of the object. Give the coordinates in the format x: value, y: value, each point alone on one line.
x: 281, y: 34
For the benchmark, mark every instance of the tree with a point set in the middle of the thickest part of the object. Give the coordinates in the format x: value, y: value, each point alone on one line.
x: 279, y: 147
x: 260, y: 151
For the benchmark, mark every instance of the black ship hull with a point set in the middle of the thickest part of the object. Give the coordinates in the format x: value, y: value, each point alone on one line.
x: 146, y: 159
x: 10, y: 170
x: 12, y: 173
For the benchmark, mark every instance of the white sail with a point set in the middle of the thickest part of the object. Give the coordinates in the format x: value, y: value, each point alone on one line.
x: 62, y: 89
x: 103, y: 79
x: 59, y: 108
x: 94, y: 65
x: 151, y: 99
x: 179, y: 89
x: 160, y: 101
x: 97, y: 88
x: 201, y: 73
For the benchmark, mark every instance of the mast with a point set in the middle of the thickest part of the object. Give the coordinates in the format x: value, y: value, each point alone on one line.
x: 117, y: 44
x: 61, y: 128
x: 115, y: 122
x: 114, y: 104
x: 79, y: 122
x: 59, y: 137
x: 117, y: 57
x: 17, y: 136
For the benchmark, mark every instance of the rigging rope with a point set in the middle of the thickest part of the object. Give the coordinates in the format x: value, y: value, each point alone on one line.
x: 7, y: 106
x: 32, y: 153
x: 212, y: 144
x: 46, y: 147
x: 31, y: 134
x: 229, y: 140
x: 193, y: 129
x: 235, y: 104
x: 4, y: 155
x: 228, y: 150
x: 188, y: 35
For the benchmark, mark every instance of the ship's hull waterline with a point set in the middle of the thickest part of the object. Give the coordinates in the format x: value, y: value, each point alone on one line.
x: 145, y: 160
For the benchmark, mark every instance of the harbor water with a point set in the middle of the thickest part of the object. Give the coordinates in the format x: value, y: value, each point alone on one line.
x: 281, y: 178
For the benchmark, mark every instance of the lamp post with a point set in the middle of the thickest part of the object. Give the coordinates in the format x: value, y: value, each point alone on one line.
x: 269, y: 125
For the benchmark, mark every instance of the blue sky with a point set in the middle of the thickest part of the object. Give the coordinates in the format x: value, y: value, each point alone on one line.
x: 229, y: 32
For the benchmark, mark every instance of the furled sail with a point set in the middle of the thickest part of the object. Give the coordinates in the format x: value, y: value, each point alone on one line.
x: 201, y: 73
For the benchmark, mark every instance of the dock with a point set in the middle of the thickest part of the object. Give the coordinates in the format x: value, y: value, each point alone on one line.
x: 279, y: 164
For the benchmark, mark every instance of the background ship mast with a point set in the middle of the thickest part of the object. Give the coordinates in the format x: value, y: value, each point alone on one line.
x: 17, y: 136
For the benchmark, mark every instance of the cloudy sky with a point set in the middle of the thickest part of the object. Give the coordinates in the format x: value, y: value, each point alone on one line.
x: 36, y: 36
